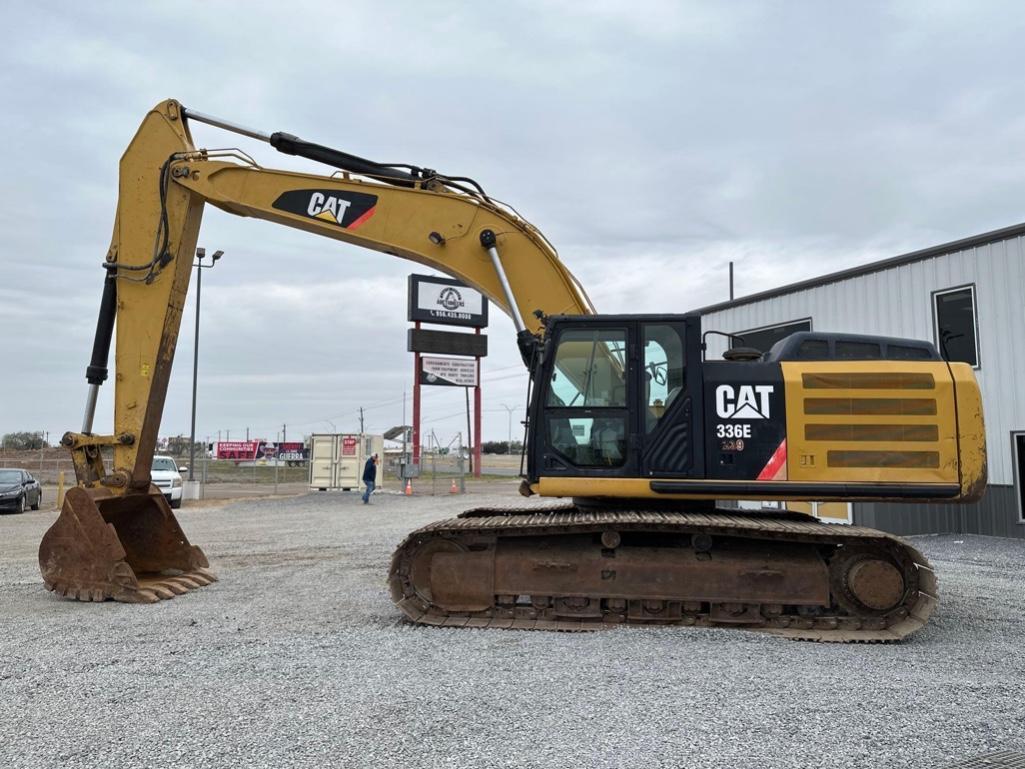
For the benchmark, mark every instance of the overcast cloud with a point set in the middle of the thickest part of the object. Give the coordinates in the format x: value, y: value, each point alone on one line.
x: 652, y: 142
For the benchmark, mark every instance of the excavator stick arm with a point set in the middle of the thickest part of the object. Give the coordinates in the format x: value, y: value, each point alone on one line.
x: 116, y: 536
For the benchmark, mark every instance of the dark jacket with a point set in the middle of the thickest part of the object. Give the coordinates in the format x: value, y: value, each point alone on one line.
x: 370, y: 471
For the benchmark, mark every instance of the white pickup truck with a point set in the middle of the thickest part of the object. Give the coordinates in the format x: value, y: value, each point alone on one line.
x: 167, y: 477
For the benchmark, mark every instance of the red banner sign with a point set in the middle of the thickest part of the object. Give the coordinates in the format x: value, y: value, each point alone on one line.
x: 237, y: 449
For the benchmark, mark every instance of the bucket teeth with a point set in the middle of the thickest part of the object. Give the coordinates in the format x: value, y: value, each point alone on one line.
x: 128, y: 548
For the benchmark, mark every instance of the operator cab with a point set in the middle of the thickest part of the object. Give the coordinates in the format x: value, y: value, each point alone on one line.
x: 614, y: 396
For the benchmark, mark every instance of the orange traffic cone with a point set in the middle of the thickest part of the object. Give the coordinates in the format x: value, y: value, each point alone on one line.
x: 409, y: 487
x: 454, y: 489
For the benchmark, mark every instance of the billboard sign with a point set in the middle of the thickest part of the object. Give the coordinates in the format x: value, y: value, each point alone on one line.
x: 453, y: 372
x: 292, y: 451
x: 447, y: 301
x: 237, y: 449
x: 248, y: 451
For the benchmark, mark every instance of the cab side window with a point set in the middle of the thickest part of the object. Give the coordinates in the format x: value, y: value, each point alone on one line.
x: 663, y: 375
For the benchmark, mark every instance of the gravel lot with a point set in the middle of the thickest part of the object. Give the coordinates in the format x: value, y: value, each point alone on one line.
x: 298, y: 658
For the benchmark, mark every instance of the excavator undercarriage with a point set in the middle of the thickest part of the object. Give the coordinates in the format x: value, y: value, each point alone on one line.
x: 560, y: 568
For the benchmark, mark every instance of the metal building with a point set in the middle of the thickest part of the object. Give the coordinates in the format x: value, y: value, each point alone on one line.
x: 968, y: 298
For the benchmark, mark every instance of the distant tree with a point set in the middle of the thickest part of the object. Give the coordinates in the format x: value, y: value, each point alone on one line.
x: 23, y: 441
x: 178, y: 445
x: 501, y: 447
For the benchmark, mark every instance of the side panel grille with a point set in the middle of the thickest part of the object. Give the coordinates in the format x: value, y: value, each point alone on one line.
x: 883, y: 458
x: 870, y: 421
x: 819, y: 432
x: 895, y: 406
x: 869, y: 381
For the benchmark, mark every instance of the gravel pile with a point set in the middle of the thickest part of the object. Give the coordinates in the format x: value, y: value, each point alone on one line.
x: 298, y: 658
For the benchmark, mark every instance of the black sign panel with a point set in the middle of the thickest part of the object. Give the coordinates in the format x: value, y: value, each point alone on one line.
x: 447, y: 343
x: 745, y: 421
x: 446, y: 301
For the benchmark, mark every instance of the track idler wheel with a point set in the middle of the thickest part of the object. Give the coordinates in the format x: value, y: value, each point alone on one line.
x: 127, y: 548
x: 870, y: 582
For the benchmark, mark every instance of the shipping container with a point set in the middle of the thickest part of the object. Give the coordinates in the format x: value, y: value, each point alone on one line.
x: 337, y: 459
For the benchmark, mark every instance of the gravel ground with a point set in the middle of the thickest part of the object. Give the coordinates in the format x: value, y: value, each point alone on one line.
x: 298, y: 658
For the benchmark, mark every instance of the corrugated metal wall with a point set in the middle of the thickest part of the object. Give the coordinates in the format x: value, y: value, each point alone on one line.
x: 898, y: 302
x: 990, y: 516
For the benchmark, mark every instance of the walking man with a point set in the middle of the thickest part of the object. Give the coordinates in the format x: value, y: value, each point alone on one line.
x: 369, y: 478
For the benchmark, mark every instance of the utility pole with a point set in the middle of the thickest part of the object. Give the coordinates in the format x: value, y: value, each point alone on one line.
x: 404, y: 464
x: 247, y: 435
x: 731, y: 281
x: 361, y: 430
x: 508, y: 444
x: 284, y: 433
x: 469, y: 433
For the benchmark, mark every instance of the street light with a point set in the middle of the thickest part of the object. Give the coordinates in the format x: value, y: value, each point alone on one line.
x: 198, y: 264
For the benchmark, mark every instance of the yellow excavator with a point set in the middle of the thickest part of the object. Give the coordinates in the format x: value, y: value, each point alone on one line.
x: 648, y: 444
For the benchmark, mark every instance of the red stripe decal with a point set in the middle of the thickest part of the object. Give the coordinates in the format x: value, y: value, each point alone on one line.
x: 358, y: 222
x: 776, y: 468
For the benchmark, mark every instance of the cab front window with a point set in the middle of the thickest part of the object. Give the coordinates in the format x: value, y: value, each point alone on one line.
x: 587, y: 396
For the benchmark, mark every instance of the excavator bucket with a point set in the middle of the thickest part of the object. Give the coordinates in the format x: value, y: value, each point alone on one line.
x: 127, y: 548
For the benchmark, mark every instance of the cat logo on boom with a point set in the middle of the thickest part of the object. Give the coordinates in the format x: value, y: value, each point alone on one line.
x: 323, y: 206
x: 338, y: 207
x: 743, y: 402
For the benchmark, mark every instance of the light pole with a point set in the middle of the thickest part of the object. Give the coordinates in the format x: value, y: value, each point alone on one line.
x: 198, y: 264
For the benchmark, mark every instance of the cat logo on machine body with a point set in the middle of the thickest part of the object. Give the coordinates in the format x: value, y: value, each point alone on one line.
x: 743, y: 401
x: 348, y: 210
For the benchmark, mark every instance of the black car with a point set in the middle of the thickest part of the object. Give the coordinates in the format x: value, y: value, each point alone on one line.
x: 19, y: 490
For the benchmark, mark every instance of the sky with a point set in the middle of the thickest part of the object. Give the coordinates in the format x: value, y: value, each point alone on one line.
x: 652, y: 142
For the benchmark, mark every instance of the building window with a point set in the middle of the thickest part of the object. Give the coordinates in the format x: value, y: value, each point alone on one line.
x: 1018, y: 452
x: 764, y: 338
x: 954, y: 313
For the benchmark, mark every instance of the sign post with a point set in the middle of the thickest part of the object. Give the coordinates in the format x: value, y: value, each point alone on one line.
x: 417, y: 373
x: 476, y: 439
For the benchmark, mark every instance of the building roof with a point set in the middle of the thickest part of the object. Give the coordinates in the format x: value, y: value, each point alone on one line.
x: 954, y: 246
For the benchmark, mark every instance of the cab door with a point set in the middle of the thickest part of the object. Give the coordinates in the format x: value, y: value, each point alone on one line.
x: 669, y: 396
x: 589, y: 427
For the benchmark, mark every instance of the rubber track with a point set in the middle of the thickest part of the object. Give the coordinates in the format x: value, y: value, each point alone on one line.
x: 791, y: 527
